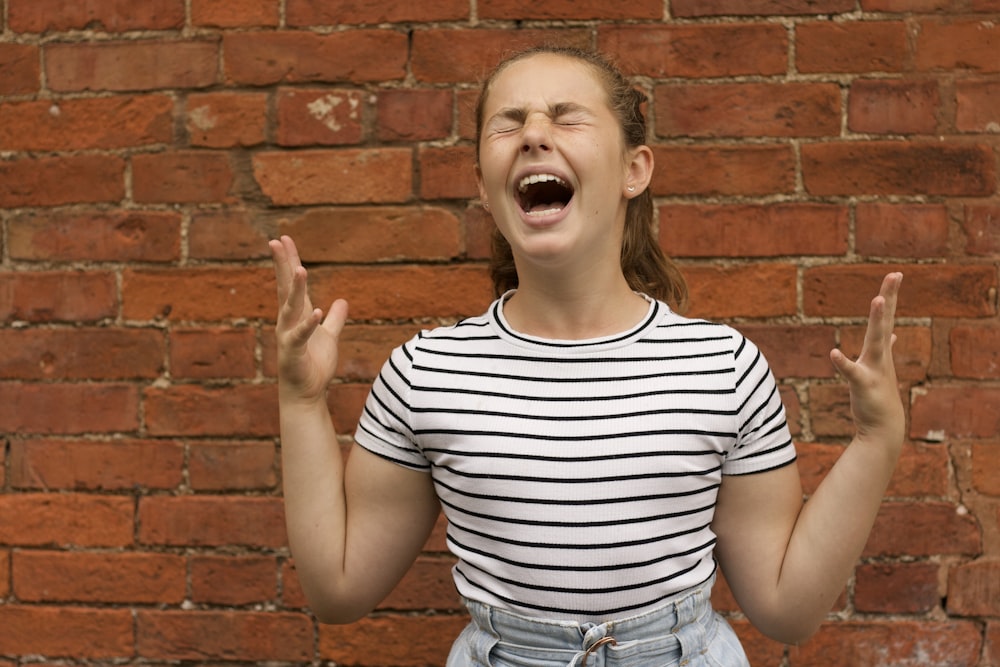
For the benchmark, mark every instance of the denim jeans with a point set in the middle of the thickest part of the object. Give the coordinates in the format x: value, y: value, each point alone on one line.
x: 683, y: 632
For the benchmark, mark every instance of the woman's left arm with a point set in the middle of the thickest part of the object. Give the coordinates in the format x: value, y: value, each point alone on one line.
x: 787, y: 562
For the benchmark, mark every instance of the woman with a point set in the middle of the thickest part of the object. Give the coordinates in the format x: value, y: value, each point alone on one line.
x: 596, y: 453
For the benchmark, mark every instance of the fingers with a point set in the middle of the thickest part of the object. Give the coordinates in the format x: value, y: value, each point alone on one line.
x: 879, y: 336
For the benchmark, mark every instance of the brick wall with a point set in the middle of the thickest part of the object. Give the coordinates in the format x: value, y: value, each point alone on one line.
x: 149, y: 149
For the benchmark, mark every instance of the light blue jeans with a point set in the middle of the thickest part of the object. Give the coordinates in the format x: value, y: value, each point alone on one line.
x: 683, y: 631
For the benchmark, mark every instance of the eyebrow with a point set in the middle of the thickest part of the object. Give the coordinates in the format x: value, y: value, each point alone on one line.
x: 519, y: 114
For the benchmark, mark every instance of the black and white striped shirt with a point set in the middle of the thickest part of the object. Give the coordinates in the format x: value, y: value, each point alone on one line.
x: 579, y: 478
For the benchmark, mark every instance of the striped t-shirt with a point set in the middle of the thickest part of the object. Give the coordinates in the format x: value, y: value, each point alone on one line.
x: 579, y: 478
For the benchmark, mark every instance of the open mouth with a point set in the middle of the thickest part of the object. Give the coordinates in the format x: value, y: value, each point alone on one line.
x: 543, y: 194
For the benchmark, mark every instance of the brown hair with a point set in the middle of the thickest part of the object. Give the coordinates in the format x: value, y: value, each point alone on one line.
x: 646, y: 268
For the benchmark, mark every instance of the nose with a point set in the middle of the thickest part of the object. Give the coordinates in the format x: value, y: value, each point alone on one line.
x: 535, y: 136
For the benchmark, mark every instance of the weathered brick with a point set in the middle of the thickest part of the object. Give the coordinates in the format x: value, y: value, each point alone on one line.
x: 230, y: 234
x: 238, y: 410
x: 101, y: 236
x: 104, y: 15
x: 231, y: 465
x: 292, y: 595
x: 981, y: 224
x: 304, y: 13
x: 69, y: 409
x: 897, y: 588
x: 133, y: 65
x: 753, y: 231
x: 723, y: 170
x: 954, y: 411
x: 887, y: 106
x: 901, y: 230
x: 212, y: 353
x: 4, y: 574
x: 414, y: 115
x: 755, y: 290
x: 182, y: 177
x: 986, y: 468
x: 224, y: 636
x: 391, y: 640
x: 427, y: 585
x: 80, y: 354
x: 962, y: 45
x: 346, y: 401
x: 235, y: 13
x: 748, y: 110
x: 975, y: 352
x: 923, y: 529
x: 447, y: 173
x: 357, y: 56
x: 697, y: 51
x: 898, y: 168
x: 922, y: 469
x: 319, y: 117
x: 60, y: 576
x: 233, y: 580
x: 569, y: 9
x: 346, y: 176
x: 479, y: 228
x: 977, y: 106
x: 364, y: 349
x: 466, y: 108
x: 850, y: 644
x: 212, y: 521
x: 226, y: 120
x: 55, y: 296
x: 911, y: 353
x: 695, y: 8
x: 55, y: 181
x: 57, y: 519
x: 374, y: 234
x: 850, y: 46
x: 974, y: 589
x: 20, y: 71
x: 900, y: 6
x: 66, y: 632
x: 794, y: 351
x: 116, y: 465
x: 222, y: 294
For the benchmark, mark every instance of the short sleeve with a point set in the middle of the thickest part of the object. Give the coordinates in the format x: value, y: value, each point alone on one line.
x: 763, y: 440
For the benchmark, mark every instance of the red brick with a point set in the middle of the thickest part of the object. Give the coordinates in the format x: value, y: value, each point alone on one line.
x: 900, y: 6
x: 292, y: 596
x: 753, y: 231
x: 897, y: 588
x: 479, y: 228
x: 447, y: 173
x: 100, y: 236
x: 402, y: 641
x: 229, y: 234
x: 458, y: 56
x: 55, y: 632
x: 760, y: 650
x: 233, y: 580
x: 414, y: 115
x: 235, y: 13
x: 238, y: 410
x: 427, y: 585
x: 697, y: 51
x: 70, y: 409
x: 102, y: 15
x: 221, y: 466
x: 975, y: 352
x: 212, y: 521
x: 357, y: 56
x: 346, y: 401
x: 374, y: 234
x: 901, y: 230
x: 981, y: 224
x: 222, y: 294
x: 986, y: 468
x: 182, y: 177
x: 143, y: 578
x: 694, y: 8
x: 755, y: 290
x: 992, y: 655
x: 304, y: 13
x: 319, y: 117
x: 20, y: 71
x: 577, y: 10
x: 800, y: 351
x: 347, y: 176
x: 977, y: 106
x: 224, y: 635
x: 897, y: 642
x: 968, y: 45
x: 405, y: 291
x: 911, y: 353
x: 887, y: 168
x: 226, y: 120
x: 55, y: 181
x: 923, y: 529
x: 56, y: 519
x: 4, y: 574
x: 974, y: 589
x: 922, y: 470
x: 723, y: 170
x: 133, y: 65
x: 117, y: 465
x: 50, y: 296
x: 466, y: 108
x: 830, y: 411
x: 939, y: 412
x: 850, y: 46
x: 212, y: 353
x: 928, y: 290
x: 364, y: 349
x: 81, y: 354
x: 886, y: 106
x: 748, y: 110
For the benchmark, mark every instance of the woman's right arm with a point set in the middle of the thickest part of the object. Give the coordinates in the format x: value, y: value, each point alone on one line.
x: 354, y: 529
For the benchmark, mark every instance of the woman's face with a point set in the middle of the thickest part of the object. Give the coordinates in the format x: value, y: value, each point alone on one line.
x: 552, y: 162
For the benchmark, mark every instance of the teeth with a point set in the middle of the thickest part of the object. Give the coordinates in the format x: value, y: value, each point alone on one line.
x: 541, y: 213
x: 538, y: 178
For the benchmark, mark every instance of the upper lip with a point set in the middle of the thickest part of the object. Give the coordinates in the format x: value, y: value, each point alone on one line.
x: 542, y: 169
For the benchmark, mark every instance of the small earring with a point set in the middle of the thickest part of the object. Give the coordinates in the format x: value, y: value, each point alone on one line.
x: 631, y: 188
x: 486, y: 205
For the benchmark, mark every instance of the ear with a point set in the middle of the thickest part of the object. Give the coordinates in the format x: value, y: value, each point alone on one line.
x: 480, y: 185
x: 638, y: 171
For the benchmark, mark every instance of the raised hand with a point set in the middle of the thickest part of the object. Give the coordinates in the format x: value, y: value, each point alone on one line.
x: 307, y: 342
x: 875, y: 403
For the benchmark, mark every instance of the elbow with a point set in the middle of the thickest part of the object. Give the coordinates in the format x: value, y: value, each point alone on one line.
x: 335, y: 609
x: 788, y: 629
